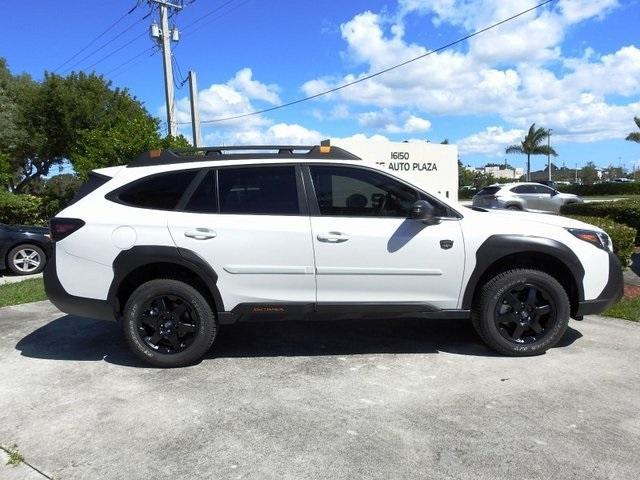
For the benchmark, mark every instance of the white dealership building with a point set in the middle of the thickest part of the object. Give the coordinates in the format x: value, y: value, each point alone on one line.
x: 431, y: 166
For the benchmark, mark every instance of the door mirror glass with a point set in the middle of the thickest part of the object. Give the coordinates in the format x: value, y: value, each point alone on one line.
x: 424, y: 212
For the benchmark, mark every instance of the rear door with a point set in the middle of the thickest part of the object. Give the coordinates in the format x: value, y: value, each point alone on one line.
x: 367, y: 250
x: 250, y: 224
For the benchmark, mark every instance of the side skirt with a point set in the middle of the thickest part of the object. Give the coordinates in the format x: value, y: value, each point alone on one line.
x: 265, y: 312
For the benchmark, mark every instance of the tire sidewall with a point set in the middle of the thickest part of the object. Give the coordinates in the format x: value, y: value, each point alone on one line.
x: 206, y: 323
x: 29, y: 246
x: 542, y: 281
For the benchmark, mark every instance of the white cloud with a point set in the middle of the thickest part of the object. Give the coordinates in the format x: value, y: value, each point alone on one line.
x: 387, y: 121
x: 513, y: 83
x: 244, y: 83
x: 491, y: 141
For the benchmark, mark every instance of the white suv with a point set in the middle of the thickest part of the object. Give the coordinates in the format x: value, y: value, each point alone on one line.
x: 177, y: 243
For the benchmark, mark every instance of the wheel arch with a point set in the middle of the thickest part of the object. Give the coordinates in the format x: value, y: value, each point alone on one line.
x: 505, y: 252
x: 139, y: 264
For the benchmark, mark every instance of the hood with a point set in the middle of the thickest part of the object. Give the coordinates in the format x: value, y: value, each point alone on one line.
x: 544, y: 218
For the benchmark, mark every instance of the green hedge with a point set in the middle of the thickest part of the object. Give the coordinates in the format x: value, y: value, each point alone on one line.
x: 626, y: 211
x: 21, y: 209
x: 622, y: 236
x: 602, y: 189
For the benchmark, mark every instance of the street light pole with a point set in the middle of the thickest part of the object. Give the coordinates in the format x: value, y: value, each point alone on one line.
x: 549, y: 152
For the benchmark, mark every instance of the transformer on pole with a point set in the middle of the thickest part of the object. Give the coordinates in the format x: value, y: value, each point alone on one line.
x: 164, y: 35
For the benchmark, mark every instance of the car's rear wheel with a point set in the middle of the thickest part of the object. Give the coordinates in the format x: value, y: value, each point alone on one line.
x: 26, y: 259
x: 514, y: 207
x: 168, y: 323
x: 521, y: 312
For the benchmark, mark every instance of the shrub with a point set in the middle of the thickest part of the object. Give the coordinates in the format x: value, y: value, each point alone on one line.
x: 21, y: 209
x: 626, y: 211
x: 603, y: 189
x: 622, y: 236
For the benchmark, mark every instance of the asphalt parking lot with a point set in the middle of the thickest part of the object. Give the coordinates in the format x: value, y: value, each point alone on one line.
x: 401, y: 399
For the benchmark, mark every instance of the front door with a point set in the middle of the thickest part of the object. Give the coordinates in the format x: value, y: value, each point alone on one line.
x: 368, y: 251
x: 254, y: 232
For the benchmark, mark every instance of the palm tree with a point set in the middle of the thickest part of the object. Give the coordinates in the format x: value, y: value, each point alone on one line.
x: 634, y: 136
x: 533, y: 144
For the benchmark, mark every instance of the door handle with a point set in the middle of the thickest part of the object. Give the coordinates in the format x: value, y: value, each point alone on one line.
x: 200, y: 234
x: 333, y: 237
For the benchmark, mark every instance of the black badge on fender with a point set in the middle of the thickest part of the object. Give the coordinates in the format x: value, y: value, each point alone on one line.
x: 446, y: 244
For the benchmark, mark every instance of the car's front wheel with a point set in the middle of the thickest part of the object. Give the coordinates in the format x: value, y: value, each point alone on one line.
x: 521, y: 312
x: 168, y: 323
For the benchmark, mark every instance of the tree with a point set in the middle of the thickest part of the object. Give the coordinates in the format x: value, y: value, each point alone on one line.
x: 589, y: 174
x: 79, y: 118
x: 634, y: 136
x: 533, y: 144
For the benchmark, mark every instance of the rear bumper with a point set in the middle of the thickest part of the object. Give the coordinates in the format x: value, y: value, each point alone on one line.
x: 67, y: 303
x: 610, y: 295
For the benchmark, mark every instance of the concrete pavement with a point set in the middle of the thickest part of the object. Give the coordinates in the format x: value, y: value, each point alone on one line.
x: 401, y: 399
x: 8, y: 277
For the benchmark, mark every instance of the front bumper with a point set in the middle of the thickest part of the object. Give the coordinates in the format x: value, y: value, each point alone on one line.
x: 67, y: 303
x: 612, y: 292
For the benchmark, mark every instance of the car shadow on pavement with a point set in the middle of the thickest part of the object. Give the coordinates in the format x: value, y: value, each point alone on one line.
x: 80, y: 339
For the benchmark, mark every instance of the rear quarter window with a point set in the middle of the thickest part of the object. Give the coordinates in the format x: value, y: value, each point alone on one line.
x: 93, y: 182
x: 489, y: 191
x: 157, y: 192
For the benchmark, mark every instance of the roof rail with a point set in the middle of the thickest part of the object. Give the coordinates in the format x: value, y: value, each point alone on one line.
x: 324, y: 151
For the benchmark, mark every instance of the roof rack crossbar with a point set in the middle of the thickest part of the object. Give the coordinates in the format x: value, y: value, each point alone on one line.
x: 241, y: 152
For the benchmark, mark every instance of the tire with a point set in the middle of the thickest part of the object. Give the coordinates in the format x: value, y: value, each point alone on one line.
x: 173, y: 332
x: 498, y: 312
x: 26, y: 259
x: 514, y: 207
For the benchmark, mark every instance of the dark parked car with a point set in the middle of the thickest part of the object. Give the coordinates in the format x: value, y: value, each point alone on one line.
x: 24, y: 249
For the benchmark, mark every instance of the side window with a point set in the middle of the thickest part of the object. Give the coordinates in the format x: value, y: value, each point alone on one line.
x: 204, y: 198
x: 356, y: 192
x: 270, y: 190
x: 158, y: 192
x: 543, y: 189
x: 523, y: 189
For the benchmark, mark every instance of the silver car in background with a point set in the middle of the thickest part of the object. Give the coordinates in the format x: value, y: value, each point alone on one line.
x: 532, y: 197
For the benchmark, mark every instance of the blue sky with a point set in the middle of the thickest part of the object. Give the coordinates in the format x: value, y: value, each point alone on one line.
x: 573, y: 66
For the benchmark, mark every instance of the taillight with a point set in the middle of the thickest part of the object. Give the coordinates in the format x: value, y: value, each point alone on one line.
x: 60, y: 228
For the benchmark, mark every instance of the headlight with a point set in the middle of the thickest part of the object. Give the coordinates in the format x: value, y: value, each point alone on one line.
x: 598, y: 239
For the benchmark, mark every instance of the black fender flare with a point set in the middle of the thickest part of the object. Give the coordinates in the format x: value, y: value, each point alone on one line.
x: 497, y: 247
x: 129, y: 260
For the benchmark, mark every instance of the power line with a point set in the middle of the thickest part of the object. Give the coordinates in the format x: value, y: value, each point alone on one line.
x: 153, y: 49
x: 181, y: 79
x: 380, y: 72
x: 115, y: 51
x: 207, y: 14
x: 102, y: 34
x: 106, y: 44
x: 199, y: 27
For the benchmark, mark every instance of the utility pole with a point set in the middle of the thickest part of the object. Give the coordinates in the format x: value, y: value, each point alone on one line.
x: 549, y: 152
x: 195, y: 113
x: 164, y: 36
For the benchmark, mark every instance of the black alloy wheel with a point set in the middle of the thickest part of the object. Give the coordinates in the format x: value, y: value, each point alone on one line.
x: 525, y: 314
x: 521, y: 312
x: 168, y: 324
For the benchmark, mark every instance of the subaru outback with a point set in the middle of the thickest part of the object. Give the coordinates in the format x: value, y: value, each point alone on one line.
x: 178, y: 243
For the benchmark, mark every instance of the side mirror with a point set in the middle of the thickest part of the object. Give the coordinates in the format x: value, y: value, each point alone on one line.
x: 424, y: 212
x: 554, y: 193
